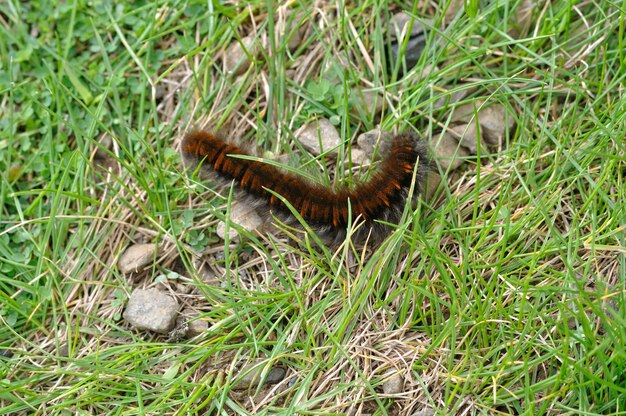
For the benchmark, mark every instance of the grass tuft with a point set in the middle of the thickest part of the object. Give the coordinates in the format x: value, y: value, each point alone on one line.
x: 503, y: 293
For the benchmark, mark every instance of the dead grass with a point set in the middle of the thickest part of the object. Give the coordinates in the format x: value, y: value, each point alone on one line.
x: 503, y: 293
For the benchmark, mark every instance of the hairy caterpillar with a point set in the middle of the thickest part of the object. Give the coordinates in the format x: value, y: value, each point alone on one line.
x: 381, y: 199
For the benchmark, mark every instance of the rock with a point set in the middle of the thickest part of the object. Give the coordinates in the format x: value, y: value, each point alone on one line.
x: 453, y: 8
x: 448, y: 151
x: 427, y: 411
x: 318, y: 131
x: 365, y: 103
x: 183, y: 288
x: 197, y: 327
x: 427, y: 70
x: 194, y: 326
x: 469, y: 137
x: 414, y: 48
x: 492, y: 120
x: 296, y: 39
x: 369, y: 140
x: 358, y: 157
x: 465, y: 113
x: 399, y: 29
x: 433, y: 179
x: 295, y: 29
x: 159, y: 92
x: 393, y: 385
x: 399, y: 24
x: 237, y: 57
x: 243, y: 215
x: 152, y: 310
x: 136, y: 257
x: 253, y: 376
x: 206, y: 274
x: 276, y: 375
x: 521, y: 19
x: 454, y: 97
x: 106, y: 143
x: 63, y: 350
x: 6, y: 353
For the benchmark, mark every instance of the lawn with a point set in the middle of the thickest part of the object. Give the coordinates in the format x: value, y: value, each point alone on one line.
x: 502, y: 289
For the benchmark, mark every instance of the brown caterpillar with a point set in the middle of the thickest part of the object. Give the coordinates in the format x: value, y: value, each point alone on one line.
x: 381, y: 199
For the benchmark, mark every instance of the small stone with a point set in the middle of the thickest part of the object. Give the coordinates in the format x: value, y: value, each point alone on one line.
x: 448, y: 152
x: 399, y: 25
x: 195, y: 326
x: 318, y: 131
x: 136, y: 257
x: 465, y: 113
x: 206, y: 274
x: 469, y: 137
x: 6, y: 353
x: 369, y: 140
x: 521, y: 19
x: 107, y: 166
x: 296, y: 30
x: 151, y: 310
x: 414, y: 48
x: 183, y: 288
x: 159, y: 92
x: 365, y: 103
x: 106, y: 143
x: 454, y: 6
x: 253, y: 376
x: 492, y: 120
x: 63, y: 350
x: 243, y: 215
x: 358, y: 157
x: 427, y: 411
x: 454, y: 97
x: 237, y: 56
x: 393, y: 385
x: 428, y: 70
x: 433, y: 179
x: 276, y: 375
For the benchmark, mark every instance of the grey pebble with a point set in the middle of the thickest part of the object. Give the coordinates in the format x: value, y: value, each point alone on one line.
x: 427, y: 411
x: 369, y: 140
x: 393, y: 385
x: 448, y: 152
x: 319, y: 132
x: 152, y: 310
x: 106, y: 143
x: 6, y: 353
x: 253, y: 376
x: 136, y: 257
x: 194, y: 326
x: 237, y: 56
x: 415, y: 44
x: 491, y: 117
x: 365, y: 103
x: 243, y: 215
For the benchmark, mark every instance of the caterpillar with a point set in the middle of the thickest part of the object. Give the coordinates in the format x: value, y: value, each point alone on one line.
x: 329, y: 212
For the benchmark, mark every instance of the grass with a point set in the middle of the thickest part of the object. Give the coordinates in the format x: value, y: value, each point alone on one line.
x: 504, y: 293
